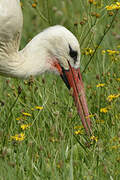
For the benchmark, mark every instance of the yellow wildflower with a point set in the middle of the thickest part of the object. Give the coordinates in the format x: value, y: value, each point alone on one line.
x: 94, y: 138
x: 113, y: 6
x: 39, y: 107
x: 100, y: 85
x: 104, y: 110
x: 18, y: 137
x: 88, y: 51
x: 20, y: 118
x: 24, y: 126
x: 78, y: 127
x: 34, y: 5
x: 112, y: 96
x: 118, y: 3
x: 103, y: 51
x: 79, y: 132
x: 118, y: 79
x: 112, y: 52
x: 90, y: 116
x: 32, y: 109
x: 26, y: 114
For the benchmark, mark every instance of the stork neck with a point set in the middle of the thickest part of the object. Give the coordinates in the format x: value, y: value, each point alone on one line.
x: 9, y: 59
x: 24, y: 63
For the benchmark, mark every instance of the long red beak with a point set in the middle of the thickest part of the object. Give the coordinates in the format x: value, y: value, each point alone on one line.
x: 73, y: 79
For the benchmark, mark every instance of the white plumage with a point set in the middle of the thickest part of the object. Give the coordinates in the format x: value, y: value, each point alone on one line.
x: 39, y: 54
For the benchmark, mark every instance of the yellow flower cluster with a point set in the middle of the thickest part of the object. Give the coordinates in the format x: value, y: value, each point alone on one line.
x: 39, y: 107
x: 18, y: 137
x: 100, y: 85
x: 112, y: 52
x: 104, y: 110
x: 88, y: 51
x: 26, y: 114
x: 112, y: 96
x: 113, y: 6
x: 21, y: 118
x: 94, y: 138
x: 24, y: 126
x: 21, y: 136
x: 79, y: 130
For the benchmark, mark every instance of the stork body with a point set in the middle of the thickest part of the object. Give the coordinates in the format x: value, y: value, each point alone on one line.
x: 55, y: 49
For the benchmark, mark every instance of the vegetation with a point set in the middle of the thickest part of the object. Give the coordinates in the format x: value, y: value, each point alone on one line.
x: 41, y: 136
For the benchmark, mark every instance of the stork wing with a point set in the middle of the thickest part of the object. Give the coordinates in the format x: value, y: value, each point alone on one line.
x: 11, y: 21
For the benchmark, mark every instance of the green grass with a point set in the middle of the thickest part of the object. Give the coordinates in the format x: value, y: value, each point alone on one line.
x: 51, y: 150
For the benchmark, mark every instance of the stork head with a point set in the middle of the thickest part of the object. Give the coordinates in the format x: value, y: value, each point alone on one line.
x: 64, y: 55
x: 63, y: 47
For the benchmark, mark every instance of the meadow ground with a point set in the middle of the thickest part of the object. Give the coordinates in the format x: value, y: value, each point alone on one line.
x: 41, y: 136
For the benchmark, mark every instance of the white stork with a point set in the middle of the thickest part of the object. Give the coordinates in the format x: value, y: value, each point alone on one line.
x: 55, y: 49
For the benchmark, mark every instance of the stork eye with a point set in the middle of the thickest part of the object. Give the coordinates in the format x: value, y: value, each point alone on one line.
x: 73, y: 54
